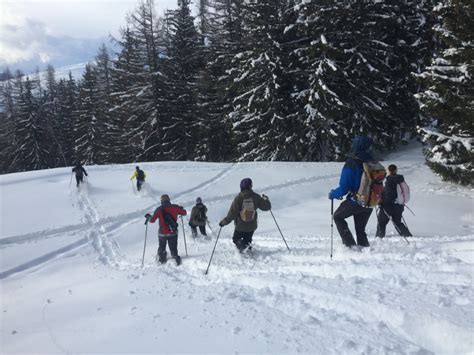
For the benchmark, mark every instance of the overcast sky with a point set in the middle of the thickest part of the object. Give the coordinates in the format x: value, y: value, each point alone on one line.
x: 25, y: 24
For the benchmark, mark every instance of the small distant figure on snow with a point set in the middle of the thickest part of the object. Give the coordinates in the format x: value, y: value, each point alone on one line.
x: 167, y: 214
x: 198, y: 218
x: 80, y: 172
x: 394, y: 197
x: 243, y: 212
x: 140, y: 176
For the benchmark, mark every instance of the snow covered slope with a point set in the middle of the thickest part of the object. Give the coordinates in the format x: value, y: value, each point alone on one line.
x: 71, y: 276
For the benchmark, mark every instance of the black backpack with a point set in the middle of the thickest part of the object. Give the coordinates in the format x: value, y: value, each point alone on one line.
x: 169, y: 220
x: 201, y: 214
x: 140, y: 175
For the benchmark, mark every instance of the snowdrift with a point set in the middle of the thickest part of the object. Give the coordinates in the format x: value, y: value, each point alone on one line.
x: 72, y: 281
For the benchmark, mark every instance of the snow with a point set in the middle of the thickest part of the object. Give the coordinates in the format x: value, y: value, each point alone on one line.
x: 72, y: 281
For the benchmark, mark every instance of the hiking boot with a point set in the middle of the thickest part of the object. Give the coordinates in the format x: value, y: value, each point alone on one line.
x: 161, y: 258
x: 178, y: 260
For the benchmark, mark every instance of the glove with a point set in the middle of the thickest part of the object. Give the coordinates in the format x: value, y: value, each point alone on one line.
x: 265, y: 197
x: 221, y: 224
x: 330, y: 195
x: 147, y: 216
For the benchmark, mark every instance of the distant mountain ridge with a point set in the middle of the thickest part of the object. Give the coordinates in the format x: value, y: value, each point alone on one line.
x: 63, y: 52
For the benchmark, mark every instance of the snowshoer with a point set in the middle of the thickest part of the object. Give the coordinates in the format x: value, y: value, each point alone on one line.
x: 167, y: 214
x: 140, y: 176
x: 243, y: 212
x: 389, y: 207
x: 79, y: 171
x: 198, y: 218
x: 349, y: 183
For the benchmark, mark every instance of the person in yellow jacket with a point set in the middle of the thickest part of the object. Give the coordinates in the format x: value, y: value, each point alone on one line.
x: 140, y: 176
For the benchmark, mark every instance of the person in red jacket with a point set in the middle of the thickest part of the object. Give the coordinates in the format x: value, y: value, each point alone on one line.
x: 167, y: 214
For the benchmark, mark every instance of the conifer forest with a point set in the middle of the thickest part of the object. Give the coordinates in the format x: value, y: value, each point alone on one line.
x: 264, y: 80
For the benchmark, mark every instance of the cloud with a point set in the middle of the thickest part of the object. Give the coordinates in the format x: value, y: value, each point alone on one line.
x: 59, y: 32
x: 22, y: 39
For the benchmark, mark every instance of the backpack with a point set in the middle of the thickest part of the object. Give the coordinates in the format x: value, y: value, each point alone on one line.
x: 201, y: 214
x: 247, y: 213
x: 371, y: 184
x: 169, y: 220
x: 141, y: 175
x: 403, y: 193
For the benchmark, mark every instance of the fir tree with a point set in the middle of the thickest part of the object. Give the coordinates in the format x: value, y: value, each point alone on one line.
x: 52, y: 119
x: 448, y: 98
x: 31, y: 153
x: 264, y: 125
x: 67, y: 98
x: 137, y: 98
x: 181, y: 127
x: 88, y: 128
x: 9, y: 96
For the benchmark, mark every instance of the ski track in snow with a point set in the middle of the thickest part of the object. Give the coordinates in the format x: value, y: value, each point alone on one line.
x: 115, y: 222
x: 415, y: 310
x: 259, y: 279
x: 97, y: 230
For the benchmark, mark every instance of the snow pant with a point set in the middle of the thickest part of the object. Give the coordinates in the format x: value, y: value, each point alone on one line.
x: 242, y: 240
x: 172, y: 241
x: 202, y: 229
x: 393, y: 211
x: 361, y: 217
x: 79, y: 179
x: 139, y: 184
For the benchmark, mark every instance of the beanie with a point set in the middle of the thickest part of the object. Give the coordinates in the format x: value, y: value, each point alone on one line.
x: 246, y: 184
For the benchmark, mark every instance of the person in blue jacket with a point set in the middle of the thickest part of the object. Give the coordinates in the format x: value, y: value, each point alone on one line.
x: 348, y: 185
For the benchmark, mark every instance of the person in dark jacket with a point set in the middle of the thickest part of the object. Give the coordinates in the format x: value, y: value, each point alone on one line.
x: 167, y: 214
x: 243, y: 212
x: 348, y: 185
x: 80, y: 172
x: 140, y: 176
x: 198, y: 218
x: 389, y: 208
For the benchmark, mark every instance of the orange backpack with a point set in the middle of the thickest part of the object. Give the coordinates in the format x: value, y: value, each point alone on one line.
x: 371, y: 185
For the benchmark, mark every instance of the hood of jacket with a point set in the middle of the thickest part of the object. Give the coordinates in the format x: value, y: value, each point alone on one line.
x: 360, y: 148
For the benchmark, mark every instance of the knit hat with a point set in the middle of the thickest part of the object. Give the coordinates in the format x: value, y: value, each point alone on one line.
x: 198, y: 200
x: 246, y: 184
x: 164, y: 198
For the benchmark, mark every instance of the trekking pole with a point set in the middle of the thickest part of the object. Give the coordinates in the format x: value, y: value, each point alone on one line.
x: 184, y: 235
x: 144, y: 247
x: 209, y: 224
x: 406, y: 240
x: 377, y: 216
x: 70, y: 180
x: 215, y: 244
x: 192, y: 231
x: 280, y: 230
x: 133, y: 186
x: 332, y: 224
x: 413, y: 213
